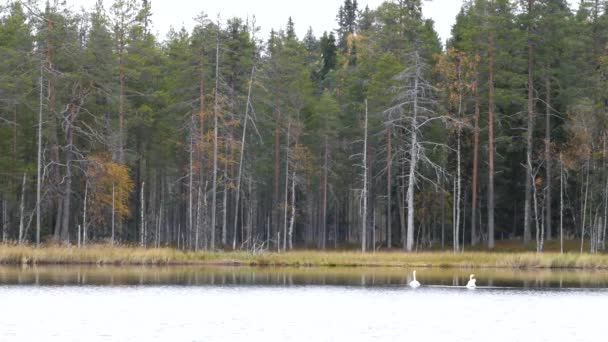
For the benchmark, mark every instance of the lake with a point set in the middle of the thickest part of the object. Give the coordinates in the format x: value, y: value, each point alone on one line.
x: 298, y: 304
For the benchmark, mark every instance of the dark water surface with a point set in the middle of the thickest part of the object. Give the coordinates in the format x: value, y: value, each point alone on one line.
x: 298, y: 304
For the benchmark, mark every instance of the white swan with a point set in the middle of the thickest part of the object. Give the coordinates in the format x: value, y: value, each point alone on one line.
x: 414, y: 283
x: 471, y: 284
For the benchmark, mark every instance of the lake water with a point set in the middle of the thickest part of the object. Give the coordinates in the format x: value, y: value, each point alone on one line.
x: 291, y: 304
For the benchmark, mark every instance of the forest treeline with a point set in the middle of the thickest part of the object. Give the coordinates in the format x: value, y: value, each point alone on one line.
x: 374, y: 135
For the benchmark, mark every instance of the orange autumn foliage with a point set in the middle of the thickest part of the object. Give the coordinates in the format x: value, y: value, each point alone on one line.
x: 108, y: 181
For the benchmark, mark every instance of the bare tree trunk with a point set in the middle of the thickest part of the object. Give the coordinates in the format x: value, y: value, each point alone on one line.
x: 206, y: 234
x: 240, y: 172
x: 67, y: 195
x: 293, y: 209
x: 39, y: 159
x: 202, y: 140
x: 251, y: 215
x: 464, y: 221
x: 142, y: 241
x: 324, y: 208
x: 15, y: 129
x: 364, y: 191
x: 4, y: 220
x: 215, y: 137
x: 21, y: 210
x: 113, y: 214
x: 539, y: 233
x: 548, y: 161
x: 225, y: 199
x: 529, y: 132
x: 442, y: 219
x: 373, y: 228
x: 458, y: 160
x: 84, y: 211
x: 160, y: 217
x: 491, y: 242
x: 277, y: 172
x: 474, y: 236
x: 52, y: 123
x: 585, y: 208
x: 561, y: 205
x: 401, y: 200
x: 121, y: 103
x: 454, y: 226
x: 286, y: 189
x: 413, y: 163
x: 198, y: 219
x: 389, y: 166
x: 191, y: 174
x: 604, y: 222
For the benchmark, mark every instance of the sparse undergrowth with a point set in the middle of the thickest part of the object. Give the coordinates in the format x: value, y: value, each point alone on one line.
x: 121, y: 255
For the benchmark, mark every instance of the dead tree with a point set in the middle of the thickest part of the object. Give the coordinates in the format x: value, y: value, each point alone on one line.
x: 412, y: 111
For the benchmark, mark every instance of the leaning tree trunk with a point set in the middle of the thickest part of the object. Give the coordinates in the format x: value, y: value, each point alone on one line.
x: 240, y: 171
x: 584, y: 216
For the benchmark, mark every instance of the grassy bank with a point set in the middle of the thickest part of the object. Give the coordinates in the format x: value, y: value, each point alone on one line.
x: 107, y: 255
x: 213, y: 275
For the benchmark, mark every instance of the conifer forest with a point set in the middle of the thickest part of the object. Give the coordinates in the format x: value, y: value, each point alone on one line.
x: 376, y: 135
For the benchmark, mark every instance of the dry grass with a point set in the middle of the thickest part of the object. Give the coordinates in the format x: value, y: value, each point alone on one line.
x: 108, y: 255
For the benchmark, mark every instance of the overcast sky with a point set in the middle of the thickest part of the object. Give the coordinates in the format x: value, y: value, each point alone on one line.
x: 320, y: 14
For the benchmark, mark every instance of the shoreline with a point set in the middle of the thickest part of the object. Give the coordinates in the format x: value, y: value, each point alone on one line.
x: 135, y: 256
